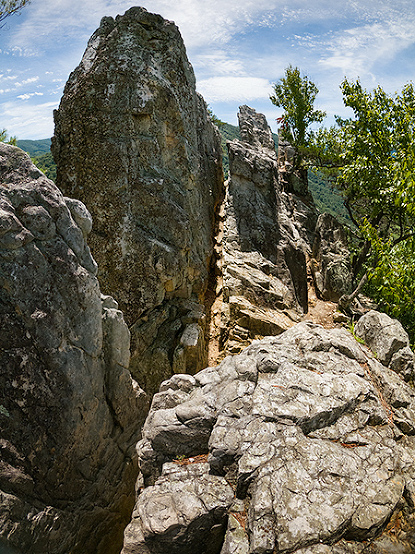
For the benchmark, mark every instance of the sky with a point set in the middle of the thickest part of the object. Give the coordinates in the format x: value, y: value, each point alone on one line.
x: 238, y: 49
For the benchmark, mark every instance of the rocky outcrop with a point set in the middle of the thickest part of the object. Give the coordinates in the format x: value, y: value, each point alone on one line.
x: 134, y: 142
x: 331, y: 266
x: 305, y: 440
x: 266, y: 240
x: 389, y: 341
x: 292, y: 178
x: 69, y: 411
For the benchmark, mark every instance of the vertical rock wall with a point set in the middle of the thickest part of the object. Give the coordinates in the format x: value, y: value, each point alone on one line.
x: 70, y: 413
x: 134, y: 142
x: 266, y: 240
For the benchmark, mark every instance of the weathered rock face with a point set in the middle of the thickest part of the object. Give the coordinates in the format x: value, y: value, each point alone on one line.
x: 314, y: 436
x: 69, y: 411
x: 389, y: 341
x: 266, y: 238
x: 292, y: 179
x: 331, y: 267
x: 134, y: 142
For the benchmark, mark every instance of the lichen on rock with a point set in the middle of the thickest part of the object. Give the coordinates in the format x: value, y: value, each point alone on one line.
x: 70, y: 413
x: 134, y: 141
x: 313, y: 434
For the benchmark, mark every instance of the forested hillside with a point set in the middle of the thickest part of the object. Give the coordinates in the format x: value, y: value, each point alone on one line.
x: 39, y: 151
x: 35, y: 147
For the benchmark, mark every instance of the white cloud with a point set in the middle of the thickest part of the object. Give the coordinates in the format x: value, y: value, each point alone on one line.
x: 355, y: 51
x: 29, y: 95
x: 234, y: 89
x: 200, y: 22
x: 30, y: 121
x: 8, y: 77
x: 219, y: 62
x: 225, y: 44
x: 27, y: 81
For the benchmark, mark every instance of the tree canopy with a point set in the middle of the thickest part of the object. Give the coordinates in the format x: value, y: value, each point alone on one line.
x: 5, y: 138
x: 370, y: 159
x: 296, y: 95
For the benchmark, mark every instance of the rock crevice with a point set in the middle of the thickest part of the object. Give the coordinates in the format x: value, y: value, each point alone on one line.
x: 133, y: 141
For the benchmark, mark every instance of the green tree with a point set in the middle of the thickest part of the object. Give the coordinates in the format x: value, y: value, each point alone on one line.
x: 5, y: 138
x: 373, y: 154
x: 218, y: 122
x: 10, y: 7
x: 296, y: 95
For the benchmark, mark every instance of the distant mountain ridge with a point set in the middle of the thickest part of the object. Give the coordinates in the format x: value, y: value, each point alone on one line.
x: 35, y: 147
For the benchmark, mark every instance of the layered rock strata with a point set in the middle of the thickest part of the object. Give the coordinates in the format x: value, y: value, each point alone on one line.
x: 69, y: 411
x: 134, y: 142
x: 305, y: 441
x: 267, y: 237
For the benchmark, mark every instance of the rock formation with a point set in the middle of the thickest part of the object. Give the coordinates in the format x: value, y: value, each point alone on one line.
x: 134, y: 142
x: 305, y: 440
x: 389, y: 341
x: 69, y: 411
x: 331, y: 265
x: 267, y: 238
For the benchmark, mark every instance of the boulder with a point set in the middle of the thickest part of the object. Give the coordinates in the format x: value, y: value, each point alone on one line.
x: 185, y: 511
x: 69, y: 410
x: 389, y: 342
x: 312, y: 433
x: 266, y: 239
x: 134, y: 141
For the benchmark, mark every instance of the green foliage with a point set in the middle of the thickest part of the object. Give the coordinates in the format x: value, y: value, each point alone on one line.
x: 6, y: 139
x: 371, y: 158
x: 46, y: 163
x: 39, y: 151
x: 326, y: 197
x: 392, y: 279
x: 35, y: 147
x: 374, y: 153
x: 218, y: 122
x: 296, y: 95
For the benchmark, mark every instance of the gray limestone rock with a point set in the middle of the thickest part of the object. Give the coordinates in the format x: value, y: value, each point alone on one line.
x: 182, y: 513
x: 293, y: 179
x: 265, y: 242
x: 69, y: 410
x: 313, y: 434
x: 331, y: 265
x: 133, y: 141
x: 388, y: 340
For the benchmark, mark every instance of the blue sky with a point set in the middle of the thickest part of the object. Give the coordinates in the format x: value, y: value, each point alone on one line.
x: 238, y: 48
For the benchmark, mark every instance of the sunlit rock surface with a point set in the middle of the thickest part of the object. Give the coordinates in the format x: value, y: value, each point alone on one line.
x: 267, y: 233
x: 134, y: 142
x: 312, y: 433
